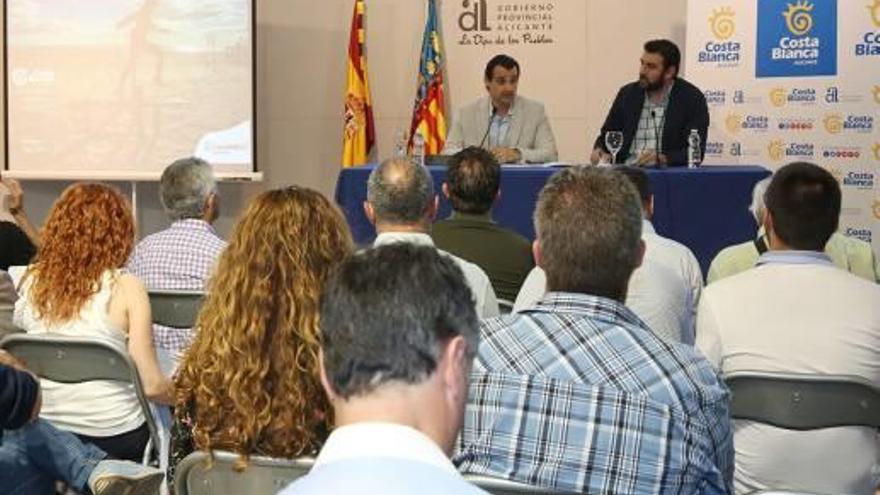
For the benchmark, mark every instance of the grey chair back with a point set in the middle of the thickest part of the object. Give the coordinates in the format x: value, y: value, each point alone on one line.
x: 500, y: 486
x: 263, y: 475
x: 81, y: 359
x: 175, y: 308
x: 804, y: 402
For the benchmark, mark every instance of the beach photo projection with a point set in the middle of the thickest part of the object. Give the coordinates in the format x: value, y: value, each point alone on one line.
x: 128, y: 85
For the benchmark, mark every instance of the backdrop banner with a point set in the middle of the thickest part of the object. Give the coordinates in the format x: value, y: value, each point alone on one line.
x: 790, y: 80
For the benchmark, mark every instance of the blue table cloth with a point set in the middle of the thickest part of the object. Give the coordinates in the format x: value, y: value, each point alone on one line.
x: 705, y: 209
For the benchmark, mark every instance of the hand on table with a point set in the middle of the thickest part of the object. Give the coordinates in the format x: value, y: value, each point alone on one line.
x: 506, y: 155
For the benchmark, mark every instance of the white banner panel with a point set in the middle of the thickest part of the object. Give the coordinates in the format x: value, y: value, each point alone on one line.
x: 790, y: 80
x: 547, y: 38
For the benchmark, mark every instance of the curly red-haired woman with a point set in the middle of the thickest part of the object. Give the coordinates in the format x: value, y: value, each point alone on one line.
x: 76, y: 287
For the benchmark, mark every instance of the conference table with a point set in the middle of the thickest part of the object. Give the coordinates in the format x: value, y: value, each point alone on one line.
x: 705, y: 208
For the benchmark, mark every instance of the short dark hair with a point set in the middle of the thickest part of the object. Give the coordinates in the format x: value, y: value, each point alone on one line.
x: 400, y: 191
x: 473, y: 178
x: 804, y: 201
x: 387, y: 313
x: 668, y: 50
x: 589, y: 225
x: 639, y: 178
x: 505, y: 61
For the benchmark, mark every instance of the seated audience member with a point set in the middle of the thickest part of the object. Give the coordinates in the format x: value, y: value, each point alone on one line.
x: 8, y: 296
x: 250, y: 381
x: 399, y: 333
x: 513, y: 128
x: 853, y: 255
x: 795, y: 312
x: 402, y: 205
x: 18, y: 239
x: 76, y: 287
x: 576, y: 393
x: 34, y: 454
x: 472, y: 185
x: 182, y: 256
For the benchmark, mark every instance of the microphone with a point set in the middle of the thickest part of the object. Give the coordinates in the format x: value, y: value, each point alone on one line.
x: 656, y: 137
x: 488, y: 127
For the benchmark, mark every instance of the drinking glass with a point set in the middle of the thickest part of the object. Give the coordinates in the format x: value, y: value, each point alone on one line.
x: 614, y: 141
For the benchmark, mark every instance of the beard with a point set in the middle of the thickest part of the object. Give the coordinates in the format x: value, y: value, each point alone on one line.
x: 650, y: 86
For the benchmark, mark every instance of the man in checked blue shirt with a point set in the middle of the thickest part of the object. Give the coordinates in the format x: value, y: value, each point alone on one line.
x: 576, y: 393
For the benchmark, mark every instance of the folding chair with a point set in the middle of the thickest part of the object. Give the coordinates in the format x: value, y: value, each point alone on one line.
x: 263, y: 475
x: 803, y: 402
x: 81, y: 359
x: 500, y: 486
x: 175, y: 308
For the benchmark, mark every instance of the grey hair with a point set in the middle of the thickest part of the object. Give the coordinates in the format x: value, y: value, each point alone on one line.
x: 185, y: 186
x: 387, y: 314
x: 758, y: 207
x: 589, y: 226
x: 400, y: 191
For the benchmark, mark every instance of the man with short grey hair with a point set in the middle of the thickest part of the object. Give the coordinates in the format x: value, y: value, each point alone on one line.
x: 182, y: 256
x: 401, y: 203
x: 576, y: 393
x: 399, y: 334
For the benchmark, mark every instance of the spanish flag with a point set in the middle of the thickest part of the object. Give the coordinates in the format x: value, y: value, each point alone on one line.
x: 429, y: 118
x: 359, y: 133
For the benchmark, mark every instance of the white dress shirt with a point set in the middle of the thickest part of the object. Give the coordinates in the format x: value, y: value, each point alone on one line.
x: 483, y: 293
x: 793, y: 316
x: 381, y: 458
x: 655, y: 294
x: 676, y: 256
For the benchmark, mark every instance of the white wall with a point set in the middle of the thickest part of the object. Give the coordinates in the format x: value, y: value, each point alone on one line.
x: 301, y: 57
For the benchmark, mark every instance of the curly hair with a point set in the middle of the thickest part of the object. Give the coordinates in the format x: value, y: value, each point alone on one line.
x: 251, y: 377
x: 89, y: 230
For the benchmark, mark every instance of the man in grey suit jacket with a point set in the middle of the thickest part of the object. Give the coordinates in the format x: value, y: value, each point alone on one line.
x: 513, y: 128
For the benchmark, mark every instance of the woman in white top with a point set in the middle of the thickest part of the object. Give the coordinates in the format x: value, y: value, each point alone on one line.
x: 76, y: 287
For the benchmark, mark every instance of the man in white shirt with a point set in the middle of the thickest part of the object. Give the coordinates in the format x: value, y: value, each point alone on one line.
x: 399, y: 334
x: 795, y: 312
x: 401, y: 203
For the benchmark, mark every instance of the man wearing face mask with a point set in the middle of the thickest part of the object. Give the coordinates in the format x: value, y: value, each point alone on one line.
x: 515, y: 129
x: 655, y: 113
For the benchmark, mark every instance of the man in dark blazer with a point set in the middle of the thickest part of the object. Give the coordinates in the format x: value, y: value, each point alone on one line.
x: 655, y: 113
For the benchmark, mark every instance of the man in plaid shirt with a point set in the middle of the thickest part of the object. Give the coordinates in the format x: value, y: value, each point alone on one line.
x: 182, y: 256
x: 576, y: 393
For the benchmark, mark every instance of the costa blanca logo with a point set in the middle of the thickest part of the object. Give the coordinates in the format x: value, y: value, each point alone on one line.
x: 722, y: 51
x: 798, y: 18
x: 776, y: 150
x: 796, y: 38
x: 715, y: 97
x: 800, y: 150
x: 868, y: 44
x: 833, y: 123
x: 722, y: 23
x: 863, y: 234
x: 778, y: 97
x: 862, y: 124
x: 714, y: 148
x: 859, y: 180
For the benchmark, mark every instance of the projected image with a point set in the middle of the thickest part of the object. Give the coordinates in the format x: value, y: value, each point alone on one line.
x: 129, y: 85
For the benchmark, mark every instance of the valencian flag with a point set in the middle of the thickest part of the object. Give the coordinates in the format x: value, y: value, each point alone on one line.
x: 428, y: 115
x: 359, y: 133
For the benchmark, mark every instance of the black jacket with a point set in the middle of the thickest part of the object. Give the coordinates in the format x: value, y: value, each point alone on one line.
x: 18, y: 394
x: 686, y: 110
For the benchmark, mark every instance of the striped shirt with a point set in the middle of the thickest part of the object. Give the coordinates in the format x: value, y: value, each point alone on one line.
x: 577, y: 394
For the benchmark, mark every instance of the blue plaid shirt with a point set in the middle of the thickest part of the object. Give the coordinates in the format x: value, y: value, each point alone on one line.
x: 577, y: 394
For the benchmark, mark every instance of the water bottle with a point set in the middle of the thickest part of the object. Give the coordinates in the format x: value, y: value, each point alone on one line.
x: 419, y: 148
x: 693, y: 155
x: 400, y: 143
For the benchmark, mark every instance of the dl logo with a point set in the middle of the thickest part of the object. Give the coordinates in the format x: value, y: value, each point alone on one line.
x: 475, y: 17
x: 796, y: 38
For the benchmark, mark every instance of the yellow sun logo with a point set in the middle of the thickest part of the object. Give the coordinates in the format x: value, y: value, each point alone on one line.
x: 722, y: 23
x: 876, y: 208
x: 798, y: 18
x: 733, y: 123
x: 776, y: 150
x: 833, y: 123
x: 836, y: 173
x: 876, y: 150
x: 876, y: 90
x: 874, y: 8
x: 777, y: 97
